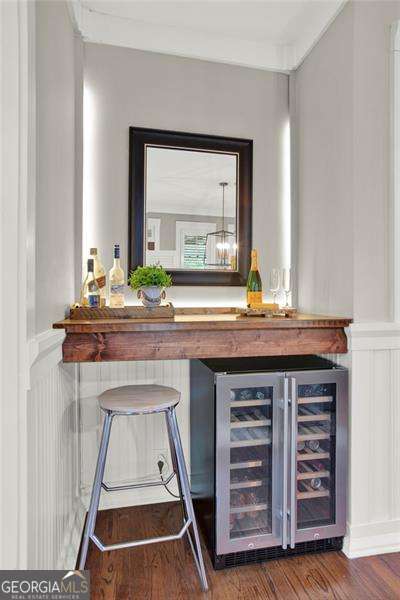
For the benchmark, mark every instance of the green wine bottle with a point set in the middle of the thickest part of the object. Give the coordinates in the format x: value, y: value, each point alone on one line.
x: 254, y: 285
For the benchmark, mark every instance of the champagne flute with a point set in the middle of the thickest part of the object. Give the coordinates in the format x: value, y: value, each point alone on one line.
x: 287, y: 284
x: 274, y: 282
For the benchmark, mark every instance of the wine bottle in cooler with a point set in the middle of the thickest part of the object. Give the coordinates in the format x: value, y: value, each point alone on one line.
x: 117, y: 281
x: 254, y: 284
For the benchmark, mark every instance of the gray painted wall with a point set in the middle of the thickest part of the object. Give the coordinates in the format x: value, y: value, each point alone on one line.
x: 324, y: 132
x: 343, y: 147
x: 58, y: 205
x: 130, y: 87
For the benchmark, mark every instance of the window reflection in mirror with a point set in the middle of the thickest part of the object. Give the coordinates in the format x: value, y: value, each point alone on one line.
x: 191, y: 209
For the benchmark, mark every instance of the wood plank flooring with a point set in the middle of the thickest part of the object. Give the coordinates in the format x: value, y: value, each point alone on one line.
x: 167, y: 571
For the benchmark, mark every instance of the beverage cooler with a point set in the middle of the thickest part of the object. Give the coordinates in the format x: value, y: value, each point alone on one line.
x: 269, y: 456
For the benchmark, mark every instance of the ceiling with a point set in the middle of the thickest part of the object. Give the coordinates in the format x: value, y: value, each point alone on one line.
x: 264, y: 34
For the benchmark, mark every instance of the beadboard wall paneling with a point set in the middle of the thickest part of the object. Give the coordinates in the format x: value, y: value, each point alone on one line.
x: 374, y: 429
x: 135, y: 442
x: 55, y: 512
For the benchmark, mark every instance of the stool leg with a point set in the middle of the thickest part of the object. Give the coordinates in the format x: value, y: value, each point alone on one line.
x: 95, y: 497
x: 184, y: 485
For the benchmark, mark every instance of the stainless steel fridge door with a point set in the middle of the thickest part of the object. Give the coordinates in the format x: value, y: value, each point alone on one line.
x: 318, y: 416
x: 250, y: 430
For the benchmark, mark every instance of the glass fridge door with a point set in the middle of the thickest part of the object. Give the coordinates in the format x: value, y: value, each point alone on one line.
x: 318, y: 454
x: 248, y: 462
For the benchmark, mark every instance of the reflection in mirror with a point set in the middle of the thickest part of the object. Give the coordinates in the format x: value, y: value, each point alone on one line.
x: 191, y: 209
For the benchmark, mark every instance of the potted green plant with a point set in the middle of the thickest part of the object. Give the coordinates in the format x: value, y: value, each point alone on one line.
x: 150, y: 282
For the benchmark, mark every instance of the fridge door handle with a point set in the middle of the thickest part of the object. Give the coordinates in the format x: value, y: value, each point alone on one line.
x: 285, y: 463
x: 293, y: 464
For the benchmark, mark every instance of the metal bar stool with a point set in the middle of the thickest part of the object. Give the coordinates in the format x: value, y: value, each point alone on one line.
x: 138, y: 400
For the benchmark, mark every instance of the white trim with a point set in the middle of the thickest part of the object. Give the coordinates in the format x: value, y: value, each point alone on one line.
x: 374, y: 336
x: 105, y: 28
x: 45, y: 352
x: 372, y: 538
x: 17, y: 80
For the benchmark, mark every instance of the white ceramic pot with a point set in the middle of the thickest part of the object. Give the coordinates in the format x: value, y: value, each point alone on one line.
x: 152, y: 295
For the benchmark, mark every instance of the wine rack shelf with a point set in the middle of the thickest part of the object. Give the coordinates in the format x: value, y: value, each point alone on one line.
x: 309, y: 415
x: 314, y: 399
x: 248, y: 464
x: 239, y: 485
x: 243, y: 403
x: 312, y: 432
x: 247, y: 525
x: 312, y: 475
x: 308, y: 492
x: 251, y: 442
x: 248, y: 508
x: 250, y: 423
x: 308, y: 454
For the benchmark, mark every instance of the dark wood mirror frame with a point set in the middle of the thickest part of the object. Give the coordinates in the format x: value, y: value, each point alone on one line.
x: 139, y: 138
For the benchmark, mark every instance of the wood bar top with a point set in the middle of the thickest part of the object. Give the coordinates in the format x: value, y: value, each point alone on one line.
x: 193, y: 335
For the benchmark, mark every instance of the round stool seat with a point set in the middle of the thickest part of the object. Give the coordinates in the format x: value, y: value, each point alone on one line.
x: 139, y: 399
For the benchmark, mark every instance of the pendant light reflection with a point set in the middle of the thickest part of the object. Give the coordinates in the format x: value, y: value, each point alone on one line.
x: 221, y: 247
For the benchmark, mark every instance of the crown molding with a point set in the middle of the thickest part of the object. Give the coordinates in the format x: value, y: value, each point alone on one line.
x: 103, y: 28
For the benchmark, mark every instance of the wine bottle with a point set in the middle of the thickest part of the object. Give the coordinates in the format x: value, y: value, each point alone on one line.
x: 316, y: 483
x: 100, y: 275
x: 254, y: 285
x: 117, y: 281
x: 90, y: 289
x: 313, y: 445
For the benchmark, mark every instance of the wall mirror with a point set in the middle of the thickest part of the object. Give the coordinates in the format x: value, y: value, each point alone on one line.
x: 190, y: 199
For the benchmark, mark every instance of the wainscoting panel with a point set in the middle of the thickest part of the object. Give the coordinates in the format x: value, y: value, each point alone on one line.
x: 55, y: 512
x: 374, y: 477
x: 136, y: 442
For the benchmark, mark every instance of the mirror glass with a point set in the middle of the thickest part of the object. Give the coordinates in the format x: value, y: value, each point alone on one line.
x: 190, y: 209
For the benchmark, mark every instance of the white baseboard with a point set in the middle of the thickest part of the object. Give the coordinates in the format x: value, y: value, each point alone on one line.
x: 372, y: 539
x: 70, y: 549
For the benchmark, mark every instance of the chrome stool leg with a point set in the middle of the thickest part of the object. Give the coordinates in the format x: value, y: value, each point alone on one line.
x: 95, y: 497
x: 187, y: 498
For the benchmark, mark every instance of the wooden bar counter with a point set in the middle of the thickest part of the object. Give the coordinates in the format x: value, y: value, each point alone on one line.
x: 212, y: 334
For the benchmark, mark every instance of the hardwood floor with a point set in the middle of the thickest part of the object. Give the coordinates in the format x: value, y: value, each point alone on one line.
x: 167, y: 571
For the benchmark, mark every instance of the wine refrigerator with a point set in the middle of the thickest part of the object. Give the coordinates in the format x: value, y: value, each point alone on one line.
x: 269, y: 456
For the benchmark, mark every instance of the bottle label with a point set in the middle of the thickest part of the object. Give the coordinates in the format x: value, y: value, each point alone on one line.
x: 254, y: 298
x: 116, y: 288
x: 94, y: 300
x: 101, y: 281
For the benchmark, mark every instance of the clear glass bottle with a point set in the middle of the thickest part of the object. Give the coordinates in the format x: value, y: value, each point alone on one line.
x: 90, y: 295
x: 100, y: 275
x: 117, y: 282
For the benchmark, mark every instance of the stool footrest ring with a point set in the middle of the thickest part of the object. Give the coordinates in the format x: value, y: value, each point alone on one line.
x: 132, y: 486
x: 122, y: 545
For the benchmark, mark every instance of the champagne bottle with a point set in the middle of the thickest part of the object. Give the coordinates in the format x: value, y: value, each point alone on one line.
x: 90, y: 289
x: 254, y: 285
x: 117, y: 281
x: 100, y: 275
